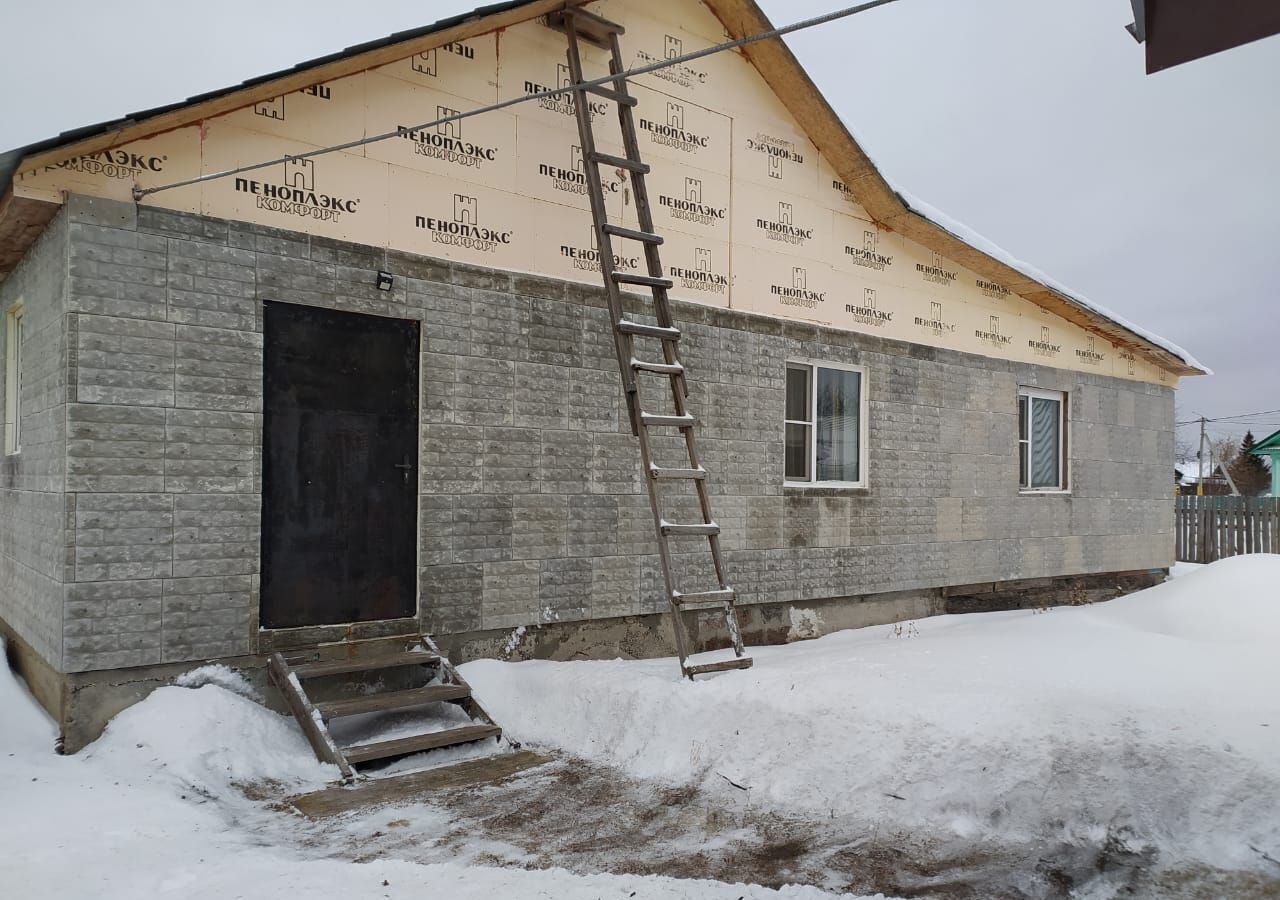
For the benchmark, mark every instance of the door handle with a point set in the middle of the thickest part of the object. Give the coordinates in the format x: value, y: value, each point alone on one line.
x: 405, y: 468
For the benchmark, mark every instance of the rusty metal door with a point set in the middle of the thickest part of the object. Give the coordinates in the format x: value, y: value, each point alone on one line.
x: 339, y: 467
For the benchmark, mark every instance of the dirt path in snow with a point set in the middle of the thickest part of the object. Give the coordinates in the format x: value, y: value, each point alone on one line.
x: 588, y: 818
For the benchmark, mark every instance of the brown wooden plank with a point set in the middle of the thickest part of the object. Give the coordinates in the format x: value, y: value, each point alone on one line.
x: 408, y: 787
x: 391, y: 700
x: 366, y: 664
x: 22, y: 220
x: 308, y: 719
x: 743, y: 662
x: 419, y: 742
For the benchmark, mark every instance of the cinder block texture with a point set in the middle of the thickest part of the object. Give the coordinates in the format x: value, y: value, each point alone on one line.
x: 531, y: 508
x: 35, y: 549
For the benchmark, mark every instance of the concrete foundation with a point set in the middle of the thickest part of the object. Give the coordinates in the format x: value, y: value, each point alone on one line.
x: 84, y: 702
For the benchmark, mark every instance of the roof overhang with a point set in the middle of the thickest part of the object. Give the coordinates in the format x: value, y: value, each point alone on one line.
x: 22, y: 220
x: 1269, y: 445
x: 1179, y: 31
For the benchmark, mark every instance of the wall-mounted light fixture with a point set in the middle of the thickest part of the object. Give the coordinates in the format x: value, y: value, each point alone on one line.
x: 384, y: 281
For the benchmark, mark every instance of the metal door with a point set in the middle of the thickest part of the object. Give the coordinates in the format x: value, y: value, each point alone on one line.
x: 340, y: 467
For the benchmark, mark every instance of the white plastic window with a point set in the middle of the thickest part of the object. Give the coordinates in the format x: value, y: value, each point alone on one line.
x: 1042, y: 429
x: 13, y: 381
x: 824, y: 425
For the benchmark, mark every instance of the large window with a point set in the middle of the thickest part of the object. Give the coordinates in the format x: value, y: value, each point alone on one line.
x: 823, y: 426
x: 1042, y: 434
x: 13, y: 381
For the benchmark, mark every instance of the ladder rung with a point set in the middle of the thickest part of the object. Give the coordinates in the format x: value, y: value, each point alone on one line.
x: 696, y: 474
x: 598, y: 21
x: 626, y: 326
x: 644, y: 280
x: 622, y: 98
x: 685, y: 421
x: 728, y: 595
x: 707, y: 530
x: 641, y: 365
x: 621, y: 162
x: 633, y: 234
x: 742, y: 662
x: 591, y: 28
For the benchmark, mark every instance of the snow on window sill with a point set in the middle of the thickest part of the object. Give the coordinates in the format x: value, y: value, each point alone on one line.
x: 844, y: 487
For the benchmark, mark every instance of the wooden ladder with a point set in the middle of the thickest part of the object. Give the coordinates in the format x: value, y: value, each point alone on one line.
x: 578, y: 24
x: 290, y: 675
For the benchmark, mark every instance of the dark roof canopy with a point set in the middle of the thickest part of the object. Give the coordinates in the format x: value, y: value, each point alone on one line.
x: 1179, y: 31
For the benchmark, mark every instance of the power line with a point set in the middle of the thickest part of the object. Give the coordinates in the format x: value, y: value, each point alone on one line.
x: 139, y: 193
x: 1250, y: 415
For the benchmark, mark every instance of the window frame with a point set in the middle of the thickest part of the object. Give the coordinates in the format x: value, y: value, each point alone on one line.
x: 14, y: 332
x: 1024, y: 443
x: 812, y: 365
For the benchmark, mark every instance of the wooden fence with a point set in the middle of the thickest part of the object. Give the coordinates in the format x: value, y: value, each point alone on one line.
x: 1211, y: 528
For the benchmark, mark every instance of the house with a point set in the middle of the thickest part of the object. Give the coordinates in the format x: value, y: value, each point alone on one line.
x: 359, y: 395
x: 1269, y: 448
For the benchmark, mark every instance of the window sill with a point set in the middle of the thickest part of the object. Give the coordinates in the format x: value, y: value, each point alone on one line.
x: 831, y: 488
x: 1055, y: 492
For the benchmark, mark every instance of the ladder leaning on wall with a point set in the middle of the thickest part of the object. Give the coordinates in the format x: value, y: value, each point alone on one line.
x: 578, y: 24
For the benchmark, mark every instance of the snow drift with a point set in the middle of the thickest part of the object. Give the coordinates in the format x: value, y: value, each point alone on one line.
x: 152, y: 810
x: 1152, y: 721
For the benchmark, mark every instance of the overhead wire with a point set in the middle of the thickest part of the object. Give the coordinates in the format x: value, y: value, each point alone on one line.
x: 1230, y: 419
x: 139, y: 192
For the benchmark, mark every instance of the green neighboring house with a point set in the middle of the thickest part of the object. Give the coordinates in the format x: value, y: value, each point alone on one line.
x: 1269, y: 447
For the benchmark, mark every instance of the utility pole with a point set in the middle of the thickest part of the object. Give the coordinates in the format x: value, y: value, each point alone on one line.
x: 1200, y: 462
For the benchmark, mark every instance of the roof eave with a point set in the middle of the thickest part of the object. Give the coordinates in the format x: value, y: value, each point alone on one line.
x: 779, y: 66
x: 772, y: 58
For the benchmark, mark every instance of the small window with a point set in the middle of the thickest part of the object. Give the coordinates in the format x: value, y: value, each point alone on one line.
x: 823, y: 425
x: 1041, y: 440
x: 13, y: 381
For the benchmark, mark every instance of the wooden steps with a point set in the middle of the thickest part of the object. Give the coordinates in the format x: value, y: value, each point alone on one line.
x: 433, y: 693
x: 370, y: 664
x: 419, y: 742
x: 313, y: 717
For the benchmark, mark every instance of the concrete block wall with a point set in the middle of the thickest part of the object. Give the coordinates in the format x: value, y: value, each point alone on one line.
x: 34, y: 512
x: 531, y: 508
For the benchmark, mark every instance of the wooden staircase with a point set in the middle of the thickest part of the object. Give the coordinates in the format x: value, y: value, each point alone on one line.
x: 292, y: 674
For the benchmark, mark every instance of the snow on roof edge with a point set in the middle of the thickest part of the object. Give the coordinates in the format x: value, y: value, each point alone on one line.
x: 978, y: 242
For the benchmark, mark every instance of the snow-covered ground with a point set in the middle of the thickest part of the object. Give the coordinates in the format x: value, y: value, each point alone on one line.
x: 1141, y: 733
x: 157, y: 808
x: 1151, y: 721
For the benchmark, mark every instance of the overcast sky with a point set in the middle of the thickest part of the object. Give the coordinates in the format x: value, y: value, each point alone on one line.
x: 1032, y: 122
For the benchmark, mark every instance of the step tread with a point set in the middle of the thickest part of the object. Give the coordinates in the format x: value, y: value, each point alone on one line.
x: 742, y: 662
x: 465, y: 734
x: 363, y: 664
x: 384, y: 702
